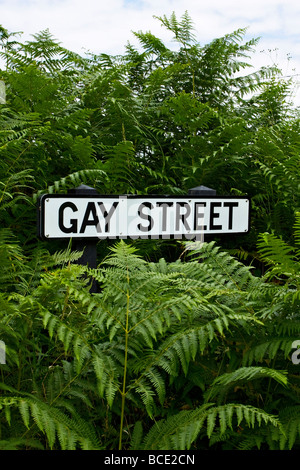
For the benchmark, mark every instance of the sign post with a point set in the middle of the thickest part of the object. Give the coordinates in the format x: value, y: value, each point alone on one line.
x: 88, y: 247
x: 202, y: 191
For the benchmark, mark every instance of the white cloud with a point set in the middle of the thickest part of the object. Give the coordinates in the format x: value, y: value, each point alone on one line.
x: 106, y: 26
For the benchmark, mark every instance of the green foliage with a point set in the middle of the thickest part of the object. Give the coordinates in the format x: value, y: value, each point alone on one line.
x: 167, y: 340
x: 184, y: 346
x: 282, y: 258
x: 57, y: 427
x: 180, y: 431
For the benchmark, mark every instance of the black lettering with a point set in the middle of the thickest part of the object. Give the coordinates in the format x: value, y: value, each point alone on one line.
x: 107, y: 215
x: 90, y: 209
x: 214, y: 215
x: 182, y: 217
x: 231, y: 205
x: 145, y: 216
x: 199, y: 215
x: 73, y: 226
x: 164, y: 205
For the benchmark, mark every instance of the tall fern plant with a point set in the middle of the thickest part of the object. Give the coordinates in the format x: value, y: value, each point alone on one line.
x: 163, y: 357
x: 157, y: 329
x: 185, y: 330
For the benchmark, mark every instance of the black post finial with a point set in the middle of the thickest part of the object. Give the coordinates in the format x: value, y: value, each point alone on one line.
x: 202, y: 191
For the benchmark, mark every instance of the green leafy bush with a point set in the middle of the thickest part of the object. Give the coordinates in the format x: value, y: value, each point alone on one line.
x: 180, y: 348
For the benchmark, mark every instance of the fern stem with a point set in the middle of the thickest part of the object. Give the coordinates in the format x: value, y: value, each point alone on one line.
x: 123, y: 393
x: 123, y: 132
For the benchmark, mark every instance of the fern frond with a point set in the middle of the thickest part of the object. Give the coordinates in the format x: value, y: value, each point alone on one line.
x: 222, y: 383
x: 279, y: 255
x: 297, y: 233
x: 180, y: 431
x: 151, y: 43
x: 108, y: 374
x: 174, y: 354
x: 182, y: 30
x: 137, y: 435
x: 73, y: 180
x: 12, y: 260
x: 53, y: 423
x: 289, y: 438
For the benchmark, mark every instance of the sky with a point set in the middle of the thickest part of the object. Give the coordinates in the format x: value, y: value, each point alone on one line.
x: 105, y: 26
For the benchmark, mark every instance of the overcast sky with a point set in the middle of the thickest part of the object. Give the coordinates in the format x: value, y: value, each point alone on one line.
x: 107, y: 25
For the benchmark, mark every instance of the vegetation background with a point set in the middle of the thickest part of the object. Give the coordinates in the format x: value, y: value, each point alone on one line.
x: 180, y: 349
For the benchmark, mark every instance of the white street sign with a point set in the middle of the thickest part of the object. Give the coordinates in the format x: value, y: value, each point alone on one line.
x: 85, y: 216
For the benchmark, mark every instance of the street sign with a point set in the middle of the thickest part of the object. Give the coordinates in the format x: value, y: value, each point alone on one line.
x: 96, y: 216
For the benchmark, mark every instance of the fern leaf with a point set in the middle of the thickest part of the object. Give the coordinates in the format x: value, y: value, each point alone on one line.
x: 181, y: 430
x: 244, y: 374
x: 137, y: 436
x: 24, y: 410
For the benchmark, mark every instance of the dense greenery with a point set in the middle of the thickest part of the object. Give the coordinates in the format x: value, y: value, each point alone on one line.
x: 180, y: 349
